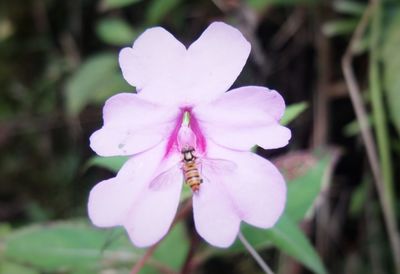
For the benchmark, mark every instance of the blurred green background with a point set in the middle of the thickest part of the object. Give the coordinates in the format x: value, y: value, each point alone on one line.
x: 58, y: 64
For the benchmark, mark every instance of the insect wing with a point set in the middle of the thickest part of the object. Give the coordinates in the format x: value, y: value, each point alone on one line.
x: 214, y: 169
x: 164, y: 179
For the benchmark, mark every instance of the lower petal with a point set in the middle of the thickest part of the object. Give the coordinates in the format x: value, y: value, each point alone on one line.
x: 256, y: 187
x: 214, y: 215
x: 109, y: 202
x: 152, y: 214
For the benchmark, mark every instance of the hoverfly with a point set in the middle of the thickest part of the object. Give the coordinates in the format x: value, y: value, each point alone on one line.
x: 193, y: 169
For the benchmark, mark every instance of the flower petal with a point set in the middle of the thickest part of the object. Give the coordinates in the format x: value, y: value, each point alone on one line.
x: 215, y: 60
x: 154, y: 58
x: 214, y: 215
x: 131, y: 125
x: 111, y: 202
x: 153, y: 213
x: 243, y: 117
x: 168, y: 74
x: 256, y: 187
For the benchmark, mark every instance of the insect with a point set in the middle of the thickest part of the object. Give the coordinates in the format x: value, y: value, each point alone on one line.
x: 194, y: 170
x: 190, y: 169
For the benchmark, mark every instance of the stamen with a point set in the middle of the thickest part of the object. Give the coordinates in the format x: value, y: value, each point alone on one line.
x: 186, y: 118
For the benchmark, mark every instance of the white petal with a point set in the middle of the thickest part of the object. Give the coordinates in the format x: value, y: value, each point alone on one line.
x: 244, y: 117
x: 155, y: 56
x: 256, y: 187
x: 132, y: 125
x: 215, y: 60
x: 214, y: 215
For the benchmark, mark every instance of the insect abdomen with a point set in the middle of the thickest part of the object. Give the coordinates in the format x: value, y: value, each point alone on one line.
x: 192, y: 176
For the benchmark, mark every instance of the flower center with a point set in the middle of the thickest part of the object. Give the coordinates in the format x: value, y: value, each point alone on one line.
x: 186, y: 133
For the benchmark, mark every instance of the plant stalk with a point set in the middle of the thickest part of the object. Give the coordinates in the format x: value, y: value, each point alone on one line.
x: 255, y: 254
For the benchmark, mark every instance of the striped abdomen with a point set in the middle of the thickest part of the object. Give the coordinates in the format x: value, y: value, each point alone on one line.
x: 192, y: 175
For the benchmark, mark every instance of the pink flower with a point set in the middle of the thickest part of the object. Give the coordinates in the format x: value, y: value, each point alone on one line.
x: 173, y: 82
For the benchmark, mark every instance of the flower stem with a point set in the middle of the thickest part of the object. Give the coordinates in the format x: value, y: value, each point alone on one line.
x: 255, y: 254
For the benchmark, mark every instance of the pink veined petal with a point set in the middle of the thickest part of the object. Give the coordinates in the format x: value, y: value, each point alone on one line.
x: 151, y: 216
x: 214, y: 214
x: 111, y: 201
x: 243, y: 117
x: 214, y: 61
x: 153, y: 211
x: 256, y: 187
x: 131, y: 125
x: 154, y: 58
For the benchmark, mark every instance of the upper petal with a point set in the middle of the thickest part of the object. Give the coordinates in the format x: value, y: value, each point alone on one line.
x: 131, y: 125
x: 154, y: 58
x: 256, y: 187
x: 205, y: 71
x: 244, y: 117
x: 215, y: 60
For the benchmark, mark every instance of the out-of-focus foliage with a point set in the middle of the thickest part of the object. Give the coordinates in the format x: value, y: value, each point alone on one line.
x: 112, y: 163
x: 292, y: 112
x: 159, y: 9
x: 391, y: 63
x: 96, y: 80
x: 78, y: 247
x: 112, y: 4
x: 115, y: 31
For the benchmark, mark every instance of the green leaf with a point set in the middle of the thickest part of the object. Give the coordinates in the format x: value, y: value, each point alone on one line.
x: 391, y: 68
x: 290, y: 239
x: 69, y: 246
x: 293, y: 111
x: 158, y: 10
x: 13, y: 268
x: 111, y: 163
x: 173, y: 250
x: 113, y: 4
x: 115, y: 31
x: 303, y: 191
x: 353, y: 128
x: 262, y: 4
x: 80, y: 248
x: 349, y: 7
x: 340, y: 27
x: 287, y: 237
x: 95, y: 80
x: 359, y: 198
